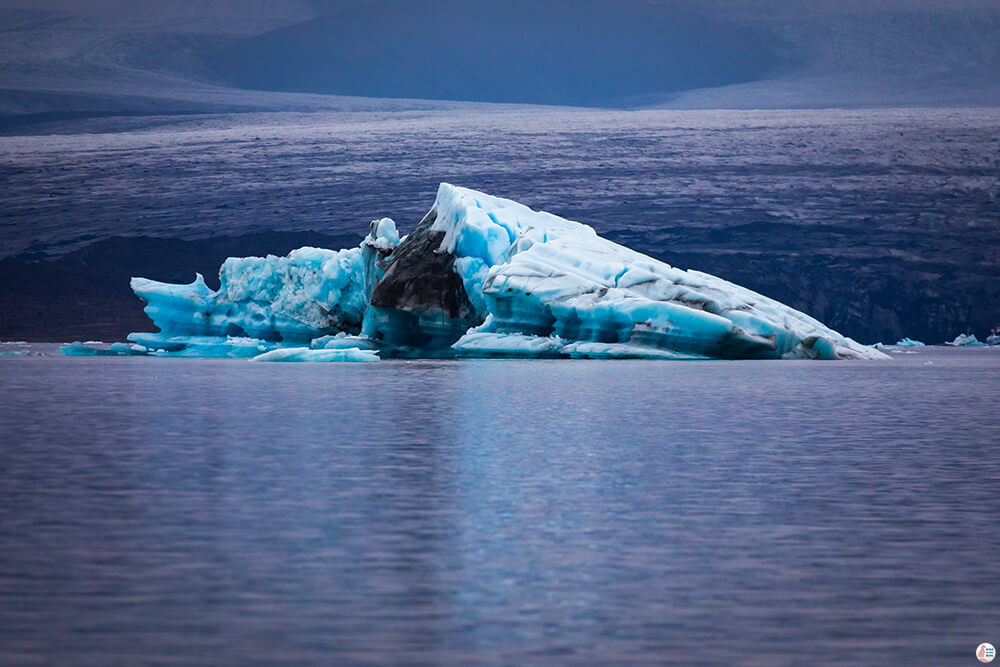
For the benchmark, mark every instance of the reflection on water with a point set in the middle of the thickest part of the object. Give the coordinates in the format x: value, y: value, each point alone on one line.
x: 499, y: 512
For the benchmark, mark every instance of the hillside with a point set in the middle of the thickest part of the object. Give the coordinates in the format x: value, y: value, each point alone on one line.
x: 561, y: 52
x: 103, y: 57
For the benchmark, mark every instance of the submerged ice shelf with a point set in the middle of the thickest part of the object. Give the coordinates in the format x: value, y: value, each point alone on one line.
x: 479, y: 276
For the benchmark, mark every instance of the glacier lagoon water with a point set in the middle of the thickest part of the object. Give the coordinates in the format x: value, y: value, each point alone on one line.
x: 889, y: 177
x: 487, y: 512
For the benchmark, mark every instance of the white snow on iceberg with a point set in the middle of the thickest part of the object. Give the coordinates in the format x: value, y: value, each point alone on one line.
x: 966, y: 340
x: 479, y: 276
x: 537, y: 274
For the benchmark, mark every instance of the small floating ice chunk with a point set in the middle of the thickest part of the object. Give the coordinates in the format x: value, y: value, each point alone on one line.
x: 966, y: 340
x: 484, y: 344
x: 208, y: 347
x: 79, y: 349
x: 909, y: 342
x: 590, y: 350
x: 304, y: 354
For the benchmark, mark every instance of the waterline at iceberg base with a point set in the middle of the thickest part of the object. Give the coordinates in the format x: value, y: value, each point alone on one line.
x: 479, y: 276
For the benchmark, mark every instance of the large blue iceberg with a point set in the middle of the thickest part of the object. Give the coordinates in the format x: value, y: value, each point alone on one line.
x: 479, y: 276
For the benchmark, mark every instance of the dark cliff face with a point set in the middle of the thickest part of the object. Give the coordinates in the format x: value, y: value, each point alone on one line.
x: 420, y: 294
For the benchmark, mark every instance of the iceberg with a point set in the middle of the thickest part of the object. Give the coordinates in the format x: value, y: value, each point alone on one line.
x: 479, y: 276
x: 909, y: 342
x: 966, y: 340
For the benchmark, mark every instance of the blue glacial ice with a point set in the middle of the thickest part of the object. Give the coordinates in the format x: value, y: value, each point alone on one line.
x: 966, y: 340
x: 479, y: 276
x: 289, y: 300
x: 909, y: 342
x: 309, y: 354
x: 94, y: 349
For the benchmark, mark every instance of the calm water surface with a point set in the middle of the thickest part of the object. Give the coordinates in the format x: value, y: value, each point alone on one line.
x: 497, y: 512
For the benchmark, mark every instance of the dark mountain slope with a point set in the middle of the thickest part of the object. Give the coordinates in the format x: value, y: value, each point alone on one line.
x: 575, y: 52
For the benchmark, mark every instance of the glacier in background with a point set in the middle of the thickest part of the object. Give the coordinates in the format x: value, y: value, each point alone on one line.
x: 479, y: 276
